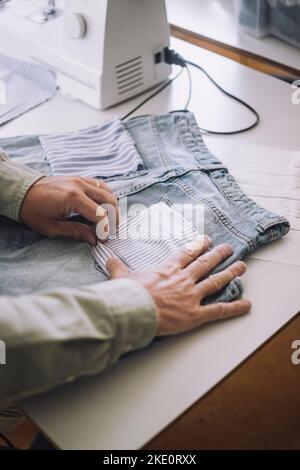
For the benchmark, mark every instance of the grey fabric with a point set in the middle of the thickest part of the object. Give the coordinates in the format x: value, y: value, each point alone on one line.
x: 26, y: 86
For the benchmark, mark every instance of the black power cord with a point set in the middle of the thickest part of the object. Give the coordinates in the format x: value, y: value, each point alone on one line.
x: 172, y: 57
x: 235, y: 98
x: 159, y: 90
x: 7, y: 442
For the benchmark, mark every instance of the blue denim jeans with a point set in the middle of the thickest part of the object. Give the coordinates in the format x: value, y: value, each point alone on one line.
x: 177, y: 167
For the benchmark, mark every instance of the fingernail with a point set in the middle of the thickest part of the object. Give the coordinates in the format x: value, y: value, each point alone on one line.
x: 196, y: 244
x: 242, y: 266
x: 100, y: 212
x: 203, y: 238
x: 209, y: 240
x: 228, y: 248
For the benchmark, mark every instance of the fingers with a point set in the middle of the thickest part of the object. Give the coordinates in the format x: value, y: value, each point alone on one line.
x: 191, y: 251
x: 102, y: 196
x: 95, y: 213
x: 204, y: 264
x: 88, y: 208
x: 87, y: 198
x: 106, y: 199
x: 75, y: 230
x: 217, y: 282
x: 98, y: 184
x: 116, y: 268
x: 222, y: 311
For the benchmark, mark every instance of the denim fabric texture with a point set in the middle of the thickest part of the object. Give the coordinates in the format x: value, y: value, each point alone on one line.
x: 177, y: 166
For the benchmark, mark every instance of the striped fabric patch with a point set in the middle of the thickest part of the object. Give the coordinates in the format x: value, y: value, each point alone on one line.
x: 26, y: 86
x: 146, y: 239
x: 102, y: 151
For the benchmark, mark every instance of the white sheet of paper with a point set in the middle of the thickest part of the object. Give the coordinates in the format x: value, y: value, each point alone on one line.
x: 271, y: 177
x: 268, y: 160
x: 284, y: 251
x: 269, y: 172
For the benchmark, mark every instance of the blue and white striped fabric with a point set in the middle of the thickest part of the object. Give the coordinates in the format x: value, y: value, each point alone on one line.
x: 102, y: 151
x: 146, y: 239
x: 23, y: 86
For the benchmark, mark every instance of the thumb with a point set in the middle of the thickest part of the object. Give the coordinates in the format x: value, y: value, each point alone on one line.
x: 116, y: 268
x: 77, y: 231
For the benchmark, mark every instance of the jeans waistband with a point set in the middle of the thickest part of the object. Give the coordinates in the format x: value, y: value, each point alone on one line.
x: 171, y: 146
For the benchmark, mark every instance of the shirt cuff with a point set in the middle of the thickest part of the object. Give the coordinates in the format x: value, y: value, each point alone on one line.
x: 134, y: 312
x: 15, y: 181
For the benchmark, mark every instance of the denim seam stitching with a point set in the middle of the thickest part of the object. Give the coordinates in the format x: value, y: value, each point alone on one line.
x: 189, y: 191
x: 159, y: 145
x: 222, y: 190
x: 260, y: 212
x: 128, y: 176
x: 139, y: 187
x: 186, y: 141
x: 248, y: 201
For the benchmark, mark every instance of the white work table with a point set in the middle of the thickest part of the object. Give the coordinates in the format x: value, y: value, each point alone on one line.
x: 126, y: 406
x: 217, y: 20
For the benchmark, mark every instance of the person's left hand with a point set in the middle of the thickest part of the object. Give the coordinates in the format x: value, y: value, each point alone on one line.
x: 180, y: 285
x: 51, y: 200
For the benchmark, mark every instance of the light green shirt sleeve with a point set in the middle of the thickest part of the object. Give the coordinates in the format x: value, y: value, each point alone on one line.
x: 15, y: 181
x: 58, y: 336
x: 55, y: 337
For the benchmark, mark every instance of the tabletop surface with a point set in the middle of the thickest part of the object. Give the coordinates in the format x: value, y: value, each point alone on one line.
x: 217, y: 20
x: 147, y: 391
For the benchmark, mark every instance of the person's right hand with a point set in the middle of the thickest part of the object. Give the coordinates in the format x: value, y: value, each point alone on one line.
x: 49, y: 202
x: 179, y: 286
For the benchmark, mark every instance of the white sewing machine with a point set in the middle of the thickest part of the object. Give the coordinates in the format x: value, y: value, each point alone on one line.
x: 103, y: 51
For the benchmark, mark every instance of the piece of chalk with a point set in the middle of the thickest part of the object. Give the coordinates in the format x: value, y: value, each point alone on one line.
x: 196, y: 244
